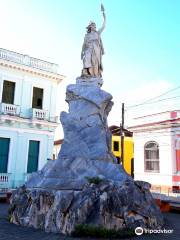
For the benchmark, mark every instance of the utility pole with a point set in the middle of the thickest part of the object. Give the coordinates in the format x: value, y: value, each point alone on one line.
x: 122, y: 134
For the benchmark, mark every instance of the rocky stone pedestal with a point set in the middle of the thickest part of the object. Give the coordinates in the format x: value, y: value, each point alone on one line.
x: 84, y: 185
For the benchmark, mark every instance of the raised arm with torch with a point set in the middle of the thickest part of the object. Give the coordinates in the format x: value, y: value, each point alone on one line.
x: 92, y: 49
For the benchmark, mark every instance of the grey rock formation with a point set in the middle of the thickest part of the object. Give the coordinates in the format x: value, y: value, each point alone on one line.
x: 85, y: 127
x: 84, y: 185
x: 111, y: 204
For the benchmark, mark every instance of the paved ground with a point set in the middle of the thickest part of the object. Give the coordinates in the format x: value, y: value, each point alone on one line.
x: 172, y: 222
x: 10, y: 231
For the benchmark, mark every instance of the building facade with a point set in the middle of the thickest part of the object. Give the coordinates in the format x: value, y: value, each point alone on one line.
x: 157, y: 149
x: 28, y: 91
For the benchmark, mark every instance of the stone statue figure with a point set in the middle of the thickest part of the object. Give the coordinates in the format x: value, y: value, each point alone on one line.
x: 92, y: 49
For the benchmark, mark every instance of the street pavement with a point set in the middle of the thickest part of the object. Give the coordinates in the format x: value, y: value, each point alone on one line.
x: 10, y: 231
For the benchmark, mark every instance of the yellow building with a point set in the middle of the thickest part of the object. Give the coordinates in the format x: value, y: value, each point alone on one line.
x: 128, y: 159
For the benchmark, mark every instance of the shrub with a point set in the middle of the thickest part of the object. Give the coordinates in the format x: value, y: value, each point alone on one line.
x: 94, y: 180
x: 86, y: 230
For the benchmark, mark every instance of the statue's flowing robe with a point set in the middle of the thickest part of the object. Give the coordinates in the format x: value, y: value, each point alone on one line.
x: 93, y: 50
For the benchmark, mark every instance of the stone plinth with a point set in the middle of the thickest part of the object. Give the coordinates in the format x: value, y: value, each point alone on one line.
x: 84, y: 185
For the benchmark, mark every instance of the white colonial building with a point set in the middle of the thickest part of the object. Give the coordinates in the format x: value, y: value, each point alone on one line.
x: 28, y: 90
x: 157, y: 149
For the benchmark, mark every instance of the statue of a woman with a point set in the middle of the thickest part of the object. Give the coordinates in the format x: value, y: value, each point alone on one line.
x: 92, y: 50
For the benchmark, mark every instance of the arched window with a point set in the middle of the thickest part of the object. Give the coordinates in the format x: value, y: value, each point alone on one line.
x: 151, y: 157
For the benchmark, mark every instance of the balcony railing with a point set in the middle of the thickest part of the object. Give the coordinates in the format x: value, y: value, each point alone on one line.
x: 39, y: 114
x: 14, y: 110
x: 9, y: 109
x: 28, y: 61
x: 5, y: 180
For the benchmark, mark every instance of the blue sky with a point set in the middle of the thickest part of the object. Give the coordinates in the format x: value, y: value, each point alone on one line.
x: 141, y: 41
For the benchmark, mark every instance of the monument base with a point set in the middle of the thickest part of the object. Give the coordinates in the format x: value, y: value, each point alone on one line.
x: 84, y: 185
x: 101, y: 202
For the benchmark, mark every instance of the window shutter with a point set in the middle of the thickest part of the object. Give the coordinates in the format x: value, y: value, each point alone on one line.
x: 4, y: 153
x: 33, y: 156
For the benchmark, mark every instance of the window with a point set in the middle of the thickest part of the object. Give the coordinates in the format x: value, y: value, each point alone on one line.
x: 8, y: 92
x: 37, y: 101
x: 151, y: 157
x: 115, y: 146
x: 33, y: 156
x: 4, y: 154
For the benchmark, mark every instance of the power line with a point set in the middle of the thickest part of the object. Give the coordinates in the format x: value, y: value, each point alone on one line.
x: 160, y: 100
x: 149, y: 100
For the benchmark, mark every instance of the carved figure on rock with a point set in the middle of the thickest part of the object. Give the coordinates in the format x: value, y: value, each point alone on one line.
x: 92, y: 50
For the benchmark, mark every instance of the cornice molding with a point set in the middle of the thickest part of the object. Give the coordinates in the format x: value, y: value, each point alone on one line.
x: 23, y: 68
x: 21, y: 131
x: 34, y: 122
